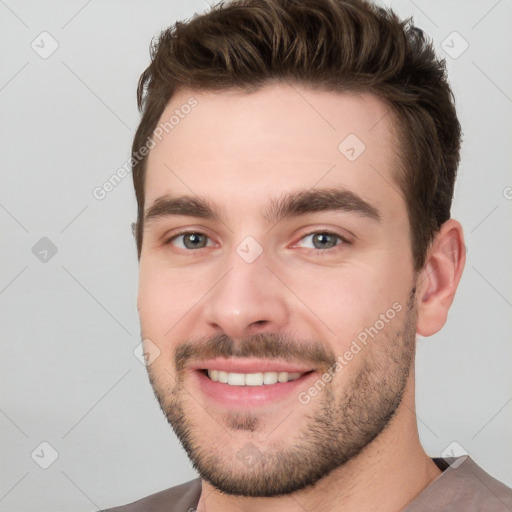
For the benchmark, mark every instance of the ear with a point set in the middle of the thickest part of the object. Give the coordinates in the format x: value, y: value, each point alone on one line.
x: 438, y: 280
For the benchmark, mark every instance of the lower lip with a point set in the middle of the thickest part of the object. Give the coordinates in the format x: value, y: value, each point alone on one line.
x: 251, y: 396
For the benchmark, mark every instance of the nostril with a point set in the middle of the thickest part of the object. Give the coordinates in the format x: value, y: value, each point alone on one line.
x: 257, y: 327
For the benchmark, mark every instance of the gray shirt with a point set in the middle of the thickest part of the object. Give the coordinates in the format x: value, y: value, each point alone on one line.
x: 462, y: 486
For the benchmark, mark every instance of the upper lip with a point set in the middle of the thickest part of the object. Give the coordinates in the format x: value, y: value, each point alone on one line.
x: 249, y: 365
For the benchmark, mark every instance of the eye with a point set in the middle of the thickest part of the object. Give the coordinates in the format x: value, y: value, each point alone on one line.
x: 321, y: 240
x: 191, y: 240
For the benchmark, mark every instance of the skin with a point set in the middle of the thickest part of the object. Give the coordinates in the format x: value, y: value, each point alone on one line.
x: 282, y: 140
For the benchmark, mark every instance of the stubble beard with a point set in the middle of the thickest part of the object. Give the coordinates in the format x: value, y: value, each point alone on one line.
x: 337, y: 429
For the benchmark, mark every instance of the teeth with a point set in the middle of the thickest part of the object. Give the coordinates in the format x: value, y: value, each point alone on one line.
x: 251, y: 379
x: 236, y: 379
x: 270, y: 378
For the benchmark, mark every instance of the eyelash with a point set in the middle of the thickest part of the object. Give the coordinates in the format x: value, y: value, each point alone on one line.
x: 343, y: 240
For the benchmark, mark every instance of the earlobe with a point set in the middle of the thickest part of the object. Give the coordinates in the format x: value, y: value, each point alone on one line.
x: 439, y: 278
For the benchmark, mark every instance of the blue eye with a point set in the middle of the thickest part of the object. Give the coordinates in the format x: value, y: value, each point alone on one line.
x: 190, y: 240
x: 321, y: 240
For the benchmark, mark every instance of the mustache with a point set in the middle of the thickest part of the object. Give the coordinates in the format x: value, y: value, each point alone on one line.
x: 269, y: 346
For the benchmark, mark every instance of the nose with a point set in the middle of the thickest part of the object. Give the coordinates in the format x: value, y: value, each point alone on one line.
x: 248, y: 300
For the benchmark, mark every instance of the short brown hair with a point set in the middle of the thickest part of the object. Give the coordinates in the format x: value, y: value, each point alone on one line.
x: 332, y: 45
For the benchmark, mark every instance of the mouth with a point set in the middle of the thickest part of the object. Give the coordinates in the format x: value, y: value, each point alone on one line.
x: 241, y: 384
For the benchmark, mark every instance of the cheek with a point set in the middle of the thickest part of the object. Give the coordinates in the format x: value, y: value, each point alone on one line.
x: 344, y: 302
x: 164, y: 299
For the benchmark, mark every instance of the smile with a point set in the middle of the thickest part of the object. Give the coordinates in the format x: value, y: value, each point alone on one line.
x: 251, y: 379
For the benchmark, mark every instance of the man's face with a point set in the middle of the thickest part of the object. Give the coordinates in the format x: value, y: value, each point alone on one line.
x: 282, y: 262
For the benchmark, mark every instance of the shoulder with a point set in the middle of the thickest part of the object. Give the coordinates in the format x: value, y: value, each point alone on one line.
x: 182, y: 498
x: 489, y: 492
x: 463, y: 486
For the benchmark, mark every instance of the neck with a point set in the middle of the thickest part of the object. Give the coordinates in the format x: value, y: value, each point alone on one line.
x: 385, y: 477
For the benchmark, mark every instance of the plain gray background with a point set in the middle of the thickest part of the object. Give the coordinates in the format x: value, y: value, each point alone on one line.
x: 69, y: 320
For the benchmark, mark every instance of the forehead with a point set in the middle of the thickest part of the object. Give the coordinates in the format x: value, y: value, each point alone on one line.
x: 248, y: 146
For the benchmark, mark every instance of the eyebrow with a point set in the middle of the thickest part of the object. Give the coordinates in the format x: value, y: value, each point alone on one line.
x: 167, y: 206
x: 319, y: 200
x: 289, y: 205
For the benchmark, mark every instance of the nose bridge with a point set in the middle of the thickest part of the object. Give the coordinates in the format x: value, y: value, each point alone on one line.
x: 248, y: 297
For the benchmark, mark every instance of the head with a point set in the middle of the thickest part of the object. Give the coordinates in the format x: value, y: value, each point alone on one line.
x: 350, y: 46
x: 294, y: 202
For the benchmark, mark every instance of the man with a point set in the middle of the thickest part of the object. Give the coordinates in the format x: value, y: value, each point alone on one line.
x: 294, y: 170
